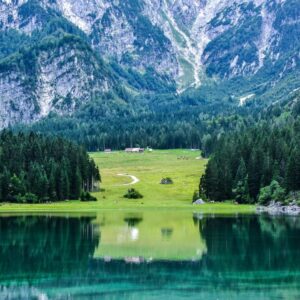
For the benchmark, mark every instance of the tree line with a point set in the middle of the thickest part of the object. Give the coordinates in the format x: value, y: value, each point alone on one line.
x: 161, y: 122
x: 258, y: 164
x: 35, y: 168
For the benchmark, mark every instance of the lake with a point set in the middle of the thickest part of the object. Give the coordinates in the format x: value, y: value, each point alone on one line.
x: 149, y: 255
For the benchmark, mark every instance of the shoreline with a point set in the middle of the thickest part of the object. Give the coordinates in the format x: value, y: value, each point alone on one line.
x: 77, y: 208
x: 277, y: 208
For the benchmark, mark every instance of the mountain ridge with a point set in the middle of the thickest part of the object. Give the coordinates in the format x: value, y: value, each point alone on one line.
x: 141, y: 47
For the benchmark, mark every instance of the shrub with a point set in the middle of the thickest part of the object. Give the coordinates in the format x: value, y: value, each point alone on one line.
x: 273, y: 192
x: 27, y: 198
x: 87, y: 197
x: 293, y: 197
x: 167, y: 180
x: 133, y: 194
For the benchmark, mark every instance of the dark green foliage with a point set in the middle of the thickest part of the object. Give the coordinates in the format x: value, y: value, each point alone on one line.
x: 11, y: 41
x: 293, y: 170
x: 196, y: 196
x: 133, y: 194
x: 27, y: 198
x: 42, y: 169
x: 241, y: 191
x: 273, y: 192
x: 87, y: 197
x: 162, y: 121
x: 167, y: 180
x: 293, y: 197
x: 260, y: 163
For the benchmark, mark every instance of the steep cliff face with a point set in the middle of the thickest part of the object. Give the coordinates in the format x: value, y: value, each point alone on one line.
x: 50, y: 78
x: 187, y: 39
x: 193, y: 42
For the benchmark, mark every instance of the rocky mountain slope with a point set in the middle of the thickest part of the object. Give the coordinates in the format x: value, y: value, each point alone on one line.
x: 59, y: 54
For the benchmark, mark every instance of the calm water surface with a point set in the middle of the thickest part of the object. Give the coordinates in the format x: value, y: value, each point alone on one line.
x: 149, y: 255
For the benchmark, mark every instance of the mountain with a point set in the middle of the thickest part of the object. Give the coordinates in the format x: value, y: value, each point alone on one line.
x: 59, y: 55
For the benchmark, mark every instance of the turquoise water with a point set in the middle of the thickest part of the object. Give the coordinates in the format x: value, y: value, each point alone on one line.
x: 149, y: 256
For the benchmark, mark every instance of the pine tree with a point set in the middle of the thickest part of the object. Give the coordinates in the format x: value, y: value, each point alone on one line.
x: 16, y: 186
x: 210, y: 181
x: 241, y: 173
x: 255, y: 173
x: 290, y: 178
x: 5, y: 182
x: 52, y: 188
x: 241, y: 191
x: 75, y: 185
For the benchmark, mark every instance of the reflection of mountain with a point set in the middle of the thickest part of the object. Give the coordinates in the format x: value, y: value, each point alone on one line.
x: 167, y: 235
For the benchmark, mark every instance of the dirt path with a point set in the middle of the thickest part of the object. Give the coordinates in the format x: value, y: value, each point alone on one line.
x: 134, y: 179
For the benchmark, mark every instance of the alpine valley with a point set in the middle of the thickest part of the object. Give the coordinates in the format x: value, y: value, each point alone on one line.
x: 150, y: 149
x: 147, y: 72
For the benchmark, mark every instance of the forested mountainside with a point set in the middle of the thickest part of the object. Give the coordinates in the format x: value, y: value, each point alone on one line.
x: 38, y: 169
x: 260, y: 163
x: 142, y: 62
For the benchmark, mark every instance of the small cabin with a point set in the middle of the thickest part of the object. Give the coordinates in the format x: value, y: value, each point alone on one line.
x: 107, y: 151
x: 134, y: 150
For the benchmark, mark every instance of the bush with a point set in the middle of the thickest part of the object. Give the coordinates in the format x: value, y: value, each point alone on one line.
x: 28, y: 198
x: 166, y: 180
x: 273, y: 192
x: 87, y: 197
x: 133, y: 194
x: 293, y: 197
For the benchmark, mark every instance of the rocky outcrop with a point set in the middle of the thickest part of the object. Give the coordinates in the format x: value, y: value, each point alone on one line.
x: 56, y: 80
x: 277, y: 208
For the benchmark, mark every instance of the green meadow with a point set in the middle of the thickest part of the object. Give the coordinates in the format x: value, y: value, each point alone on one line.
x: 184, y: 167
x: 149, y: 168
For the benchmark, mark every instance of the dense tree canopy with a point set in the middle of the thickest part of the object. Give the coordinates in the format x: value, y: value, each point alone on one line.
x: 260, y: 163
x: 34, y: 169
x: 160, y: 121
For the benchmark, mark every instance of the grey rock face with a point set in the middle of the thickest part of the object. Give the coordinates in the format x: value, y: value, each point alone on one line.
x: 182, y: 38
x: 16, y: 100
x: 63, y: 79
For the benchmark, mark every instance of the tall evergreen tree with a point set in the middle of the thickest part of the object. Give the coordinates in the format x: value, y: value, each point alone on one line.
x: 34, y: 168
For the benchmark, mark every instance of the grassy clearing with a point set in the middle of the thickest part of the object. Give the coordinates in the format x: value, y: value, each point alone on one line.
x: 150, y: 167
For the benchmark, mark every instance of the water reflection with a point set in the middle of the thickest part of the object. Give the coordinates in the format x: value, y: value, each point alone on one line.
x: 251, y: 243
x: 35, y: 244
x: 149, y: 236
x: 149, y: 255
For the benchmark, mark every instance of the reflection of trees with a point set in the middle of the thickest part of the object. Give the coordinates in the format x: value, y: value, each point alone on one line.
x: 42, y: 248
x: 45, y: 244
x: 167, y: 232
x: 133, y: 221
x: 251, y: 243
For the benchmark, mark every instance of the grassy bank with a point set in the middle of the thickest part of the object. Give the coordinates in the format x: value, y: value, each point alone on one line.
x: 183, y: 166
